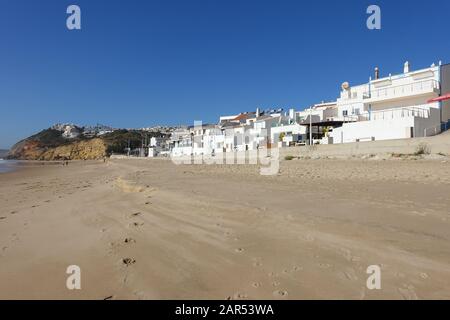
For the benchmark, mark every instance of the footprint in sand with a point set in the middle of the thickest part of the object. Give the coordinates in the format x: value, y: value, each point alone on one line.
x: 135, y: 214
x: 129, y: 240
x: 136, y: 224
x: 240, y: 295
x: 324, y: 265
x: 408, y: 292
x: 275, y: 284
x: 128, y: 261
x: 280, y: 293
x: 239, y: 250
x: 257, y: 262
x: 2, y: 218
x: 297, y: 268
x: 423, y: 275
x: 256, y: 284
x: 13, y: 212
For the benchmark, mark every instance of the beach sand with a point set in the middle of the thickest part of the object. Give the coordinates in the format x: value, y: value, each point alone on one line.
x: 149, y: 229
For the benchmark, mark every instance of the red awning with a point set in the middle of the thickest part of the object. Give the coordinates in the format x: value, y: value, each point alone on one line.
x: 441, y: 98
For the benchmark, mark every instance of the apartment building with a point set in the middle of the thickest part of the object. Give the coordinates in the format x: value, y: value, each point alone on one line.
x: 407, y: 105
x: 393, y: 107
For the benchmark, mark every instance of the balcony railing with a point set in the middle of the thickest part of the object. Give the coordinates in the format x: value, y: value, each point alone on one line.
x: 420, y: 111
x: 401, y: 90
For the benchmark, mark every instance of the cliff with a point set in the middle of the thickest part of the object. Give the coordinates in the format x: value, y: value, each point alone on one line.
x: 50, y: 144
x: 55, y: 144
x: 91, y: 149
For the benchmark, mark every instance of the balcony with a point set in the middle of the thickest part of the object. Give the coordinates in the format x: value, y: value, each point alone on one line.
x: 401, y: 91
x: 419, y: 111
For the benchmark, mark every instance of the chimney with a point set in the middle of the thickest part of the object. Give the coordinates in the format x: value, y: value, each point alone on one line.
x: 377, y: 73
x: 406, y: 67
x: 291, y: 113
x: 257, y: 112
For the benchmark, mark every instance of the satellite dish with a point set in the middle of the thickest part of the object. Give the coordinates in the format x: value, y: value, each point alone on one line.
x: 345, y: 86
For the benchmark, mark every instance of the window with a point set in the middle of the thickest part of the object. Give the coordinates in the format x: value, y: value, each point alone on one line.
x: 345, y: 113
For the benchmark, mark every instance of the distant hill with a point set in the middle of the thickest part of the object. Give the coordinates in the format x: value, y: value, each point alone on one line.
x: 54, y: 144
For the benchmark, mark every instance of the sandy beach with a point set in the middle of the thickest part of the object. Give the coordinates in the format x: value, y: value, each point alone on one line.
x: 149, y: 229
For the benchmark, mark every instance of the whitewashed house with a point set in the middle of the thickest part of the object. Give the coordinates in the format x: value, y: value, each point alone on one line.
x: 392, y: 107
x: 181, y: 142
x: 319, y: 112
x: 287, y: 130
x: 261, y: 130
x: 411, y: 104
x: 320, y: 119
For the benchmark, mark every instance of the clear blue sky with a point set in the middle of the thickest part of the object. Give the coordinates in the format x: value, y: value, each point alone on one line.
x: 140, y: 63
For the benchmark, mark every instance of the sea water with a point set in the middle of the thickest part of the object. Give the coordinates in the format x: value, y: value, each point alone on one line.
x: 7, y: 165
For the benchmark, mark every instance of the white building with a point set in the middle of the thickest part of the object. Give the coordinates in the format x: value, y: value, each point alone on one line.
x: 287, y: 131
x: 392, y: 107
x: 320, y: 112
x: 243, y: 132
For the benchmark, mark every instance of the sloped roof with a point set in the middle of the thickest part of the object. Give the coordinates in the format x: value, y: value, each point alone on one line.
x: 244, y: 116
x: 264, y: 117
x: 229, y: 125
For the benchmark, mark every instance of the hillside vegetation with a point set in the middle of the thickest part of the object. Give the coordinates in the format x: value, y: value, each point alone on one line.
x: 50, y: 144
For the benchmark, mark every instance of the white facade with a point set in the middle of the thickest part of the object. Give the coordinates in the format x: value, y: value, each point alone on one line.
x: 319, y: 112
x: 393, y: 107
x: 243, y: 132
x: 285, y: 135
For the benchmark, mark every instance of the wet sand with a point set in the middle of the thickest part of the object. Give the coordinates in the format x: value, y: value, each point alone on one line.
x: 149, y: 229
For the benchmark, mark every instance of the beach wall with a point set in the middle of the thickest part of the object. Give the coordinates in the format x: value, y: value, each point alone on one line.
x: 436, y: 144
